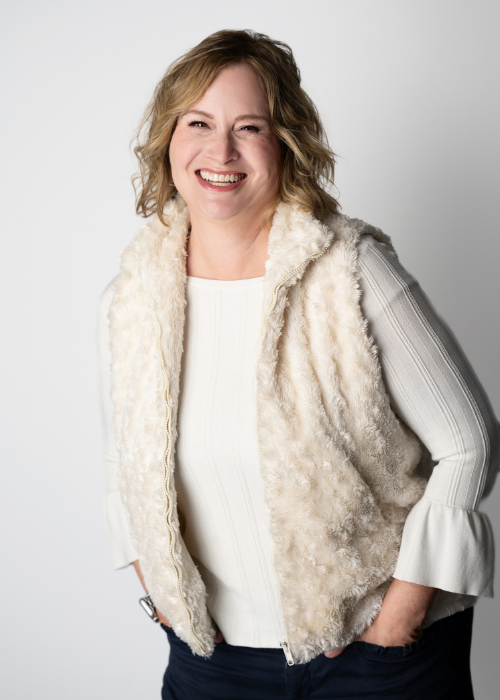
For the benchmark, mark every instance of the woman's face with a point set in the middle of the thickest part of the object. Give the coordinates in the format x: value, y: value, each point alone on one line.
x: 225, y: 159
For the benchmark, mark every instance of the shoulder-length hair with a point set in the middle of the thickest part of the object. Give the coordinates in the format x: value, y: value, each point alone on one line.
x: 308, y: 163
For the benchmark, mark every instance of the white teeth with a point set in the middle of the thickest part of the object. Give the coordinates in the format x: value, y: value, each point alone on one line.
x: 221, y: 180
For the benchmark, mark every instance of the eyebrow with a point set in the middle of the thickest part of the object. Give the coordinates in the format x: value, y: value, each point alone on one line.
x: 239, y: 118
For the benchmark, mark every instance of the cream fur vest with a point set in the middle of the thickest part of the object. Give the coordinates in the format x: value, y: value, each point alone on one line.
x: 340, y: 471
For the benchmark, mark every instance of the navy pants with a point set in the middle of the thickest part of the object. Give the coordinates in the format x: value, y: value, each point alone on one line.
x: 435, y: 668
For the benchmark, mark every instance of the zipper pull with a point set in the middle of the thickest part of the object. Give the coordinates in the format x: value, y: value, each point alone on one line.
x: 288, y: 653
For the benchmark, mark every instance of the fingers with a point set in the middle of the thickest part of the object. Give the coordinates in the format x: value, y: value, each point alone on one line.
x: 383, y: 636
x: 334, y: 652
x: 219, y: 637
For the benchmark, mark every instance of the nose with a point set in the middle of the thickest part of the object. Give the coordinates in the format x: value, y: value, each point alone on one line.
x: 222, y: 148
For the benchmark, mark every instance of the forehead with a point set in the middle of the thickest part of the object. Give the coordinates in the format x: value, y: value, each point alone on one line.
x: 235, y: 89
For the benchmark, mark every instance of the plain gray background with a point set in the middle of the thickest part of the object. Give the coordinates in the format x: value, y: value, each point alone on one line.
x: 409, y: 95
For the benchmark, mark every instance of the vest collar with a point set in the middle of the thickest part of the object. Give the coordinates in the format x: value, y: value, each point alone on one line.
x: 158, y: 251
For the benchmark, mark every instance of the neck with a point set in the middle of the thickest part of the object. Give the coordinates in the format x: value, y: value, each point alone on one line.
x: 229, y: 249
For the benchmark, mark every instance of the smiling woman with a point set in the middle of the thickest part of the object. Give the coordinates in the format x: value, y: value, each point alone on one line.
x: 279, y: 109
x: 297, y: 446
x: 227, y: 166
x: 230, y: 142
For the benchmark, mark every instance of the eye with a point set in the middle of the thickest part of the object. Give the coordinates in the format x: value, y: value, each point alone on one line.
x: 198, y: 124
x: 250, y: 127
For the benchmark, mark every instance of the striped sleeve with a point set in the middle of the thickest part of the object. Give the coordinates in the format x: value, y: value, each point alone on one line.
x: 447, y: 543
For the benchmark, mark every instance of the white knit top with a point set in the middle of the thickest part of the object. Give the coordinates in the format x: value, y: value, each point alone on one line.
x: 220, y: 496
x: 446, y: 542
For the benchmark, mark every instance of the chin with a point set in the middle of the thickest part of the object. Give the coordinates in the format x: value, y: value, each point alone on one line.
x: 219, y: 210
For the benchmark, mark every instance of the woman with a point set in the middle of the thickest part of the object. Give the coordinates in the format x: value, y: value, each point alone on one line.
x: 302, y: 446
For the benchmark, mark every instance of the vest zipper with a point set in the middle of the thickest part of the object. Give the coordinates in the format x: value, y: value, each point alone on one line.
x: 166, y: 485
x: 284, y: 642
x: 288, y: 653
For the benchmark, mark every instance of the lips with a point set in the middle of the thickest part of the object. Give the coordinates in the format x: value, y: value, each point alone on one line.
x: 220, y: 180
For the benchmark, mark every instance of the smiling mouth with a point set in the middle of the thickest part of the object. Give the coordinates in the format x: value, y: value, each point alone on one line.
x: 220, y: 180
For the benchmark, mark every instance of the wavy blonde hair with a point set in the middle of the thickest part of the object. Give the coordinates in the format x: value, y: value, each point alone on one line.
x: 307, y: 162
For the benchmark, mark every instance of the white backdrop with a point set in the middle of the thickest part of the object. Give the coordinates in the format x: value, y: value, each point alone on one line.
x: 409, y: 95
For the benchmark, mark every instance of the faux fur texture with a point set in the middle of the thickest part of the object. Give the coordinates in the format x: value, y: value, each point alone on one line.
x: 340, y: 471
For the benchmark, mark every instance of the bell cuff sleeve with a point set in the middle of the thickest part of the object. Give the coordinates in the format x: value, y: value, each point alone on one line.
x: 123, y: 551
x: 448, y: 548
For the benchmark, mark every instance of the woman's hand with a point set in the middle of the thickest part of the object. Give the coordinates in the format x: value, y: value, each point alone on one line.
x: 334, y: 652
x: 138, y: 571
x: 163, y: 620
x: 399, y: 622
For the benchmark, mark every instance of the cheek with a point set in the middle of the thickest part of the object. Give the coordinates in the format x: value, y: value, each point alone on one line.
x: 271, y: 159
x: 180, y: 152
x: 264, y: 157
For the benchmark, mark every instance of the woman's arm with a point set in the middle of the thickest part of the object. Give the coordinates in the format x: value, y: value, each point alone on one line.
x: 122, y: 550
x: 447, y: 544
